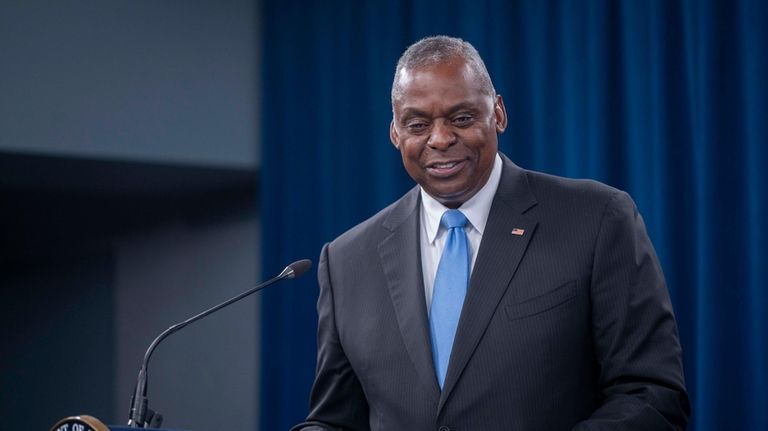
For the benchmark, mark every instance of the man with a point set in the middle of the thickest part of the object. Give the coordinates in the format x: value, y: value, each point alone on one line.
x: 538, y: 305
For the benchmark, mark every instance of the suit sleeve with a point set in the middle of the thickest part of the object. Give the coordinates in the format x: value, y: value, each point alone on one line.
x: 634, y: 330
x: 337, y: 401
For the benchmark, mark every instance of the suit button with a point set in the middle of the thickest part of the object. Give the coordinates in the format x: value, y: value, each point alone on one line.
x: 444, y: 428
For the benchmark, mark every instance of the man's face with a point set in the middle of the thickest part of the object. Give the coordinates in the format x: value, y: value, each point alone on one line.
x: 445, y: 127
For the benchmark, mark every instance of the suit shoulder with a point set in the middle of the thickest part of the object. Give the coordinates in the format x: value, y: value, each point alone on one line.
x: 372, y: 230
x: 570, y: 190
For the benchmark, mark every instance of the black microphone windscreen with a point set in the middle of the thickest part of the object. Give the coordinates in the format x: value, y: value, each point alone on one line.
x: 300, y: 266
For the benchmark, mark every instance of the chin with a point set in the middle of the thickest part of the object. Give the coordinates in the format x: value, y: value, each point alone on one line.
x: 451, y: 199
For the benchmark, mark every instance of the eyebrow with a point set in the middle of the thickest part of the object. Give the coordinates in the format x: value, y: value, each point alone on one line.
x: 414, y: 112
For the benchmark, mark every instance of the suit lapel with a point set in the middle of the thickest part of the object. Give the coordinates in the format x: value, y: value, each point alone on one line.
x: 504, y: 242
x: 401, y: 262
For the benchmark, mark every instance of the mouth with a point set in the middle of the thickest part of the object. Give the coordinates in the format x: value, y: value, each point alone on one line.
x: 445, y: 169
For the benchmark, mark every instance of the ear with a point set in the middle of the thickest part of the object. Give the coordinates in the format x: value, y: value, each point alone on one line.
x: 501, y: 114
x: 393, y: 136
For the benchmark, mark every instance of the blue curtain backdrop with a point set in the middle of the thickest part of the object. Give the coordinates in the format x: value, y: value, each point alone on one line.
x: 665, y: 99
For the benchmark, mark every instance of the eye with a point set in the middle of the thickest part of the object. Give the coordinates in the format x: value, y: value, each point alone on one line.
x: 463, y: 120
x: 416, y: 127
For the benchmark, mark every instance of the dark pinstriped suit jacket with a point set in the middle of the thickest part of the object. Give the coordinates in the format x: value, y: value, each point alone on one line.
x: 568, y: 326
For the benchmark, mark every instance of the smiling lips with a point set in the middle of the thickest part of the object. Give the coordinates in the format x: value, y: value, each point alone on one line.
x: 445, y: 169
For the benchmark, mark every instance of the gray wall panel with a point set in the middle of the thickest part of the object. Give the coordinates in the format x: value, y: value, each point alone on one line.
x: 165, y: 81
x: 206, y: 376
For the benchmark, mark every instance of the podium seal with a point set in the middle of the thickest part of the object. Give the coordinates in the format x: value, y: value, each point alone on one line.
x: 80, y: 423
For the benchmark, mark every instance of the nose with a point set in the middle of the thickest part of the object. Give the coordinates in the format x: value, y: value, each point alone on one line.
x: 441, y: 136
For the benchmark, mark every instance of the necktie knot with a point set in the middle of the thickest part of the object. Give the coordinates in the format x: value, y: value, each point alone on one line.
x: 453, y: 218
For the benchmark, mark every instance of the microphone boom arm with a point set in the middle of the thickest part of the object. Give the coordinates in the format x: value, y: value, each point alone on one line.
x: 139, y: 403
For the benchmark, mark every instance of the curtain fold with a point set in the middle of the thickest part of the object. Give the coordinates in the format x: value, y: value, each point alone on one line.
x: 664, y: 99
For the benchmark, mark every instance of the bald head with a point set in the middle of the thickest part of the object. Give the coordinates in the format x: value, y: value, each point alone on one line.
x: 440, y: 49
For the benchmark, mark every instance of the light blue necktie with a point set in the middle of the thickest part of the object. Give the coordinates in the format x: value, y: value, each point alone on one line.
x: 449, y: 291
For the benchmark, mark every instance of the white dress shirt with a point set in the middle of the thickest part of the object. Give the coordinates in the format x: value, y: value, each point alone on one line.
x: 433, y: 235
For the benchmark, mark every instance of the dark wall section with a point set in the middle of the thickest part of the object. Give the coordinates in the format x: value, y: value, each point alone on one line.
x: 97, y: 258
x: 52, y: 203
x: 57, y: 333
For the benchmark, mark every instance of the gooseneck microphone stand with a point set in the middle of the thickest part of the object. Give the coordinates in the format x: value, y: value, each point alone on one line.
x: 140, y: 415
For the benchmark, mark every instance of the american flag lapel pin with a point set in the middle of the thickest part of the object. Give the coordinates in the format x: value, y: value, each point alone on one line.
x: 517, y: 231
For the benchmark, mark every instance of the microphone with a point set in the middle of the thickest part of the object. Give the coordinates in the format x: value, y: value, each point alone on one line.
x: 140, y: 415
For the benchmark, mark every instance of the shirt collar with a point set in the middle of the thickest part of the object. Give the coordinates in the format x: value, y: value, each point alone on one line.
x: 476, y: 209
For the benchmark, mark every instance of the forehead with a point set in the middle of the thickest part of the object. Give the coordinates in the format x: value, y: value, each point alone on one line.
x: 447, y: 82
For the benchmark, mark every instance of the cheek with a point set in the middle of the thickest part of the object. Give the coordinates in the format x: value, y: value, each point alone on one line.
x: 483, y: 143
x: 411, y: 149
